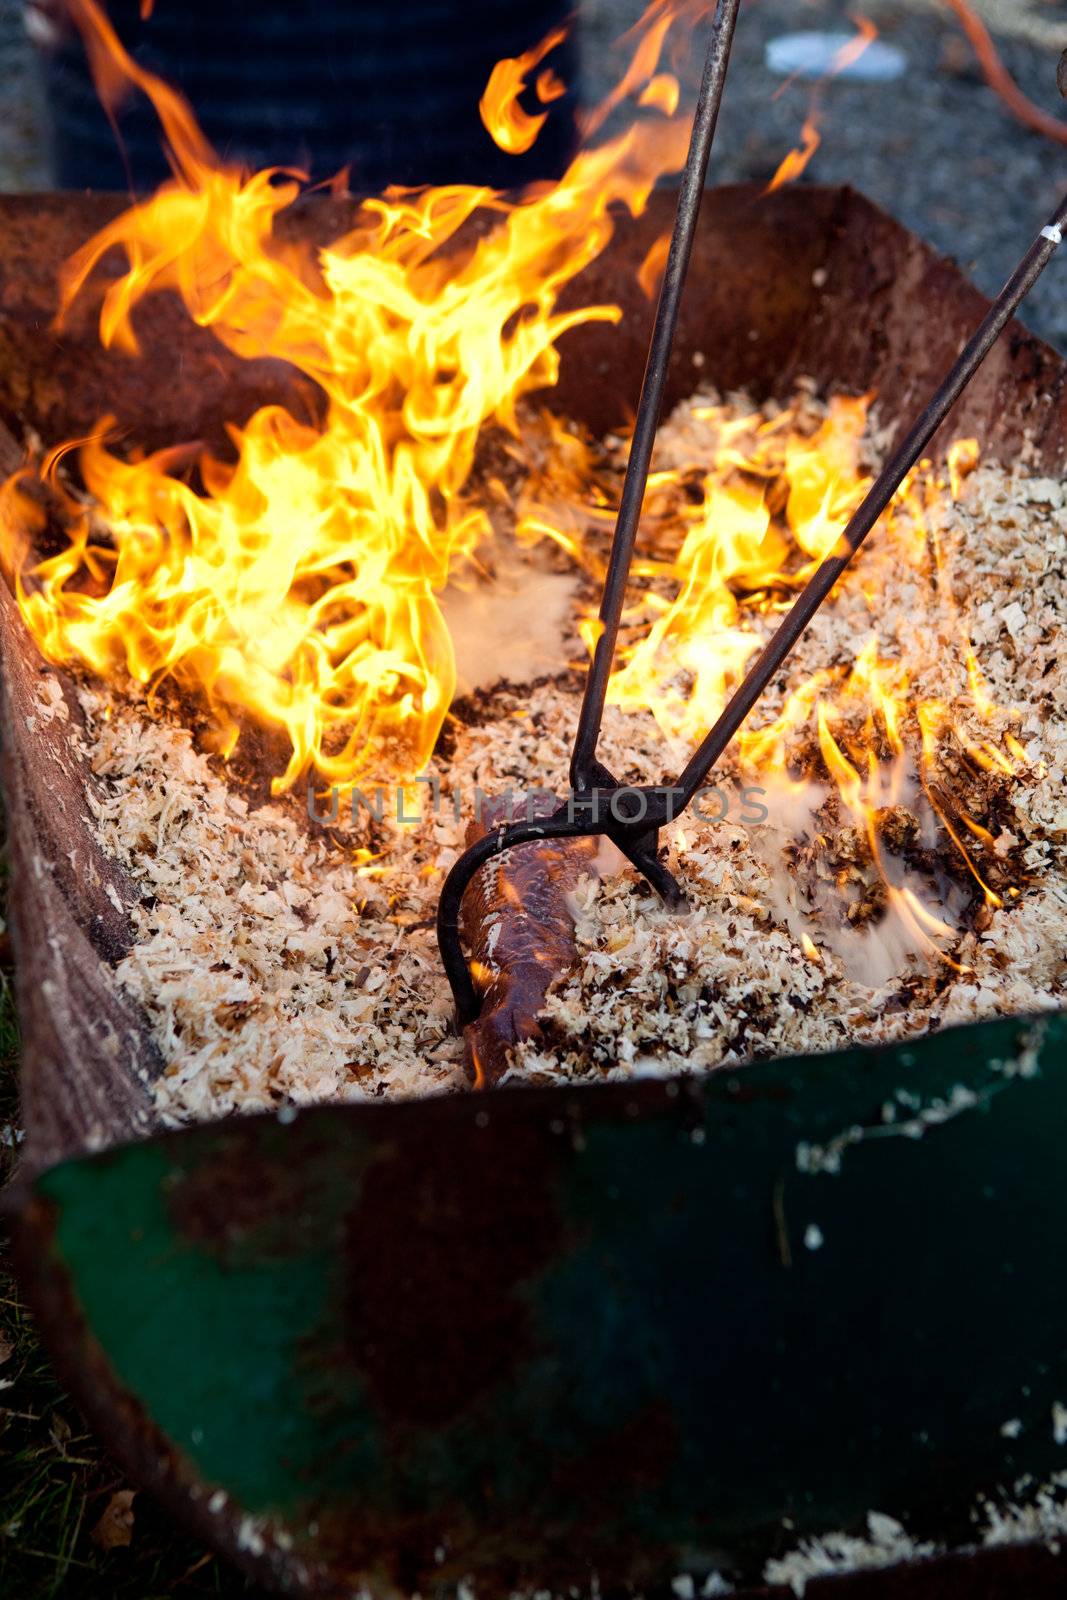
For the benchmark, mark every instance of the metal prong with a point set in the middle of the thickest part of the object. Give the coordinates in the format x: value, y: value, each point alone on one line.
x: 878, y: 497
x: 649, y: 406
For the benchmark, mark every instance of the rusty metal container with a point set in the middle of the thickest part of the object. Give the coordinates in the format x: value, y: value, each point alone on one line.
x: 538, y: 1338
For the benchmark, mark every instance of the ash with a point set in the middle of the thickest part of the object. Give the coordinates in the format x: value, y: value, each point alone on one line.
x: 278, y: 960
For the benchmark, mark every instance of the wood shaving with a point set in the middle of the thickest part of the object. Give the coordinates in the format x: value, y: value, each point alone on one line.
x: 278, y: 960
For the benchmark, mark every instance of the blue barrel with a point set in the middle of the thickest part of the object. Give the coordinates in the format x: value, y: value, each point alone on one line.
x: 391, y: 91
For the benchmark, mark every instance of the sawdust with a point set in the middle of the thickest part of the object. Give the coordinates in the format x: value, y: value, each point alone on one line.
x: 885, y: 1545
x: 278, y: 959
x: 1032, y: 1512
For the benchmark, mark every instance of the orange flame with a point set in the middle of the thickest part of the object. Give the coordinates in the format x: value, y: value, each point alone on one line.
x: 510, y: 126
x: 794, y: 163
x: 549, y: 87
x: 1000, y: 79
x: 649, y: 36
x: 698, y: 643
x: 775, y: 494
x: 652, y: 267
x: 298, y: 584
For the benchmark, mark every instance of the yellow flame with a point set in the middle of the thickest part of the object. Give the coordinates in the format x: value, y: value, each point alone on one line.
x: 662, y: 91
x: 511, y: 127
x: 777, y: 497
x: 963, y: 456
x: 794, y: 163
x: 684, y: 664
x: 297, y: 585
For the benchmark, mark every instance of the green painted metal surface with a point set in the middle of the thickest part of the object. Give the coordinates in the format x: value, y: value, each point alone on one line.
x: 632, y: 1328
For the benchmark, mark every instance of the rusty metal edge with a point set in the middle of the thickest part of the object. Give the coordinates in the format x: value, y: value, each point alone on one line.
x: 978, y: 1573
x: 124, y: 1425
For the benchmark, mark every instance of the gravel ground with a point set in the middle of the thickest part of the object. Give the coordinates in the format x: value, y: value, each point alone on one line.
x: 937, y: 147
x: 24, y: 160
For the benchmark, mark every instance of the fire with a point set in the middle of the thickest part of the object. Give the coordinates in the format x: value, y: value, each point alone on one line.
x: 513, y: 128
x: 739, y: 550
x: 795, y: 162
x: 724, y: 549
x: 867, y: 799
x: 650, y: 272
x: 298, y: 585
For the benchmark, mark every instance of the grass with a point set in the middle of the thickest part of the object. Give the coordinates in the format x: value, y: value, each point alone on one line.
x: 56, y: 1482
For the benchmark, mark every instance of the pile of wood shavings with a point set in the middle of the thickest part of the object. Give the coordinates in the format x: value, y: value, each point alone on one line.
x: 269, y: 969
x: 272, y: 968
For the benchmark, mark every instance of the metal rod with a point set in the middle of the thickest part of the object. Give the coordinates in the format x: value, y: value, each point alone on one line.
x: 878, y: 497
x: 664, y: 804
x: 568, y: 821
x: 651, y: 402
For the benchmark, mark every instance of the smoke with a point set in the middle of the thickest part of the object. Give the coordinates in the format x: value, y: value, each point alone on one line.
x: 513, y: 630
x: 808, y: 898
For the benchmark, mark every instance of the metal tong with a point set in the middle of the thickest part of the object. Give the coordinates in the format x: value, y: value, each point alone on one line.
x: 632, y: 817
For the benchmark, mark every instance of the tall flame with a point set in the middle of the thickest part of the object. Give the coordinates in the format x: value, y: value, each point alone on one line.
x: 298, y: 585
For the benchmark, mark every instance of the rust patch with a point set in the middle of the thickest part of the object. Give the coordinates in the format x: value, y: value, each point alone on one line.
x: 252, y: 1195
x: 625, y: 1462
x: 436, y: 1253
